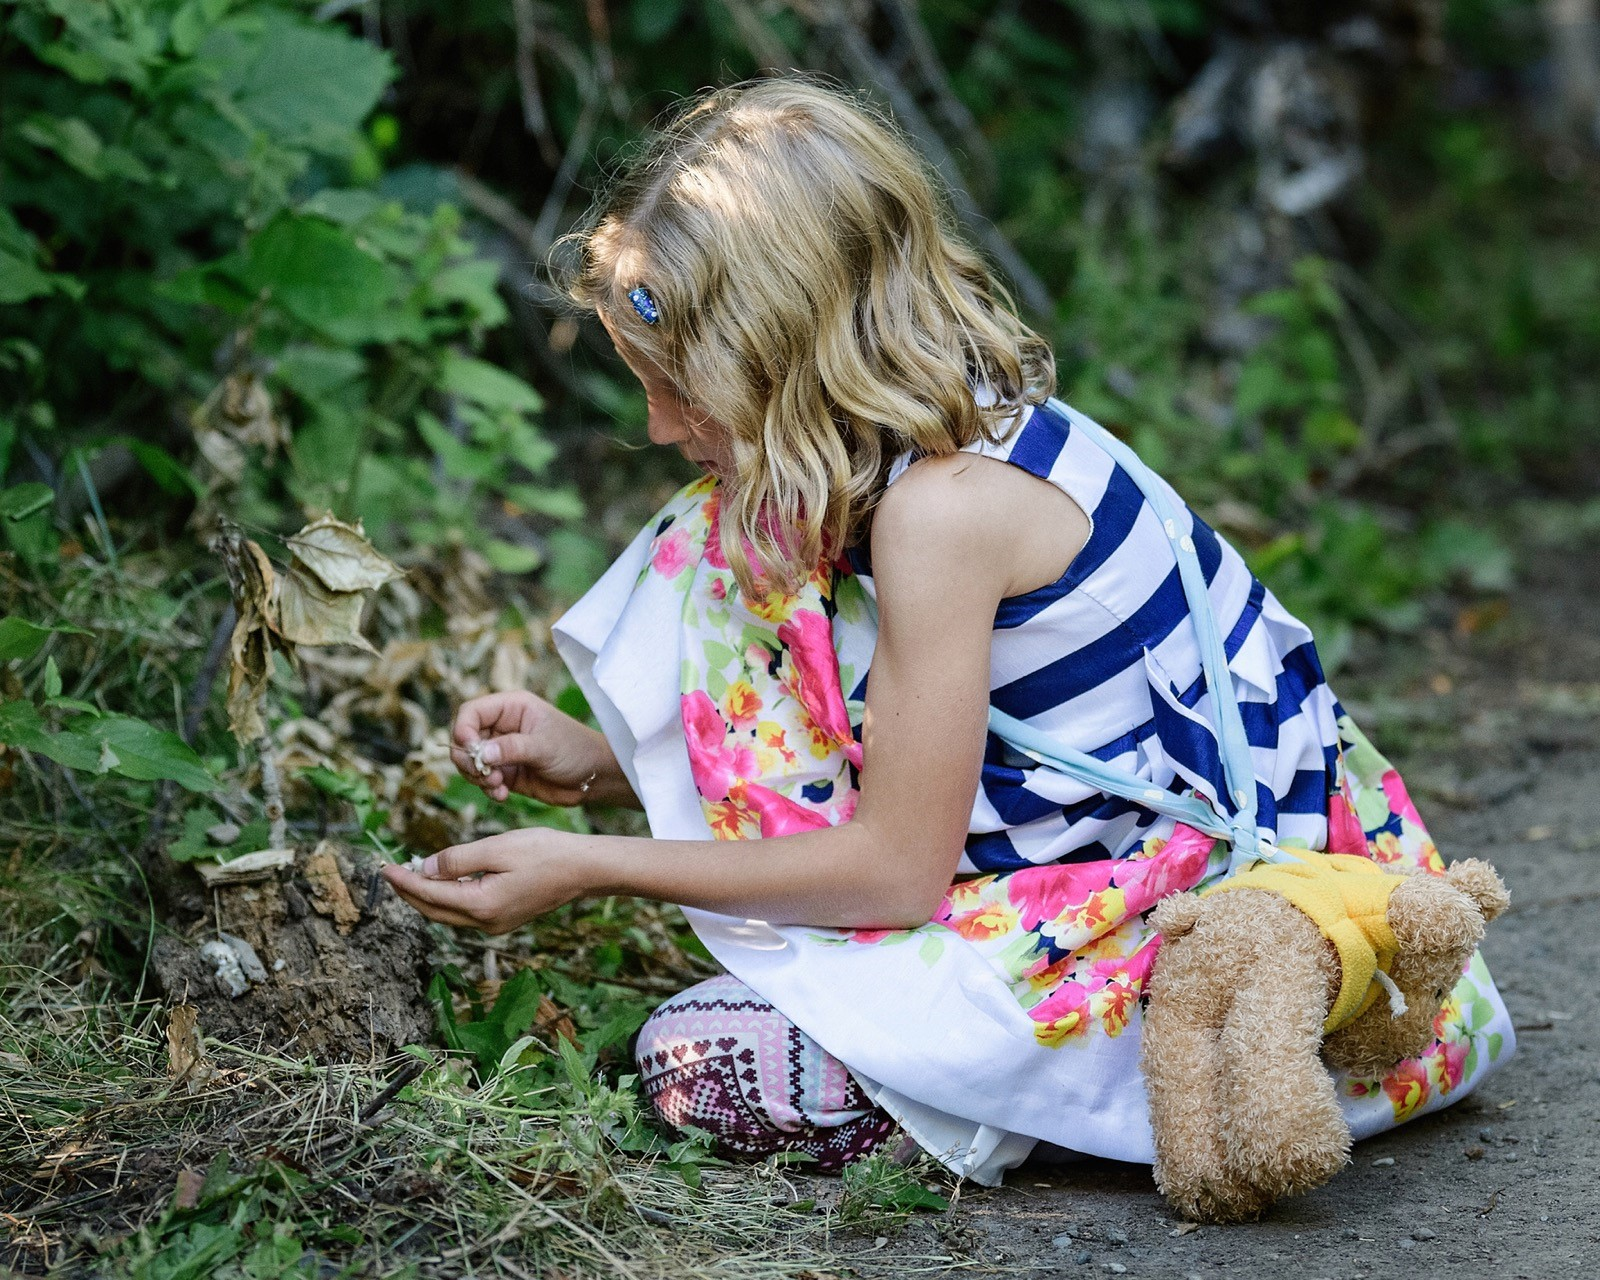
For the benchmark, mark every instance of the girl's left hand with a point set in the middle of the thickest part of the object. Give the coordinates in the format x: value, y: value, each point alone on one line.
x: 520, y: 874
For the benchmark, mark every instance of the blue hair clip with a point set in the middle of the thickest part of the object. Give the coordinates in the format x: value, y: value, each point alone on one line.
x: 645, y: 304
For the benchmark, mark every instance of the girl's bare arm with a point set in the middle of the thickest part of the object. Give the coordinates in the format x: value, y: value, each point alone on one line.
x: 941, y: 569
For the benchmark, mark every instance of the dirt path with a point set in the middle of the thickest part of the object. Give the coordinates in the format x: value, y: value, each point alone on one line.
x: 1503, y: 1183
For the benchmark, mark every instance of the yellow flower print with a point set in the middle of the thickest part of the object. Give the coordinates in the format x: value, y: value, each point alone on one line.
x: 967, y: 895
x: 774, y: 606
x: 770, y: 734
x: 1385, y: 847
x: 1111, y: 1005
x: 1408, y: 1088
x: 742, y: 704
x: 731, y: 820
x: 1049, y: 977
x: 1428, y: 857
x: 1052, y: 1035
x: 822, y: 742
x: 989, y: 921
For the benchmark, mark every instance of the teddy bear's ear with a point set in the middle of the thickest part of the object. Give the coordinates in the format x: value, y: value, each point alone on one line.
x: 1430, y: 916
x: 1176, y: 914
x: 1479, y: 881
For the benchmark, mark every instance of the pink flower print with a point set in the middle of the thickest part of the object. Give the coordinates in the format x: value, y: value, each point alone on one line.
x: 715, y: 765
x: 719, y: 589
x: 1400, y: 799
x: 1179, y: 865
x: 1344, y: 829
x: 1054, y: 892
x: 669, y: 553
x: 1407, y: 1087
x: 1060, y: 1015
x: 813, y: 678
x: 713, y: 552
x: 1447, y: 1064
x: 779, y: 815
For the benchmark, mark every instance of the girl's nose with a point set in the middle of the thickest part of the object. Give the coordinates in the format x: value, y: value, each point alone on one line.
x: 665, y: 425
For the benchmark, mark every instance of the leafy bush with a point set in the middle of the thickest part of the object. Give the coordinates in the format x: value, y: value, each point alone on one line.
x: 194, y: 216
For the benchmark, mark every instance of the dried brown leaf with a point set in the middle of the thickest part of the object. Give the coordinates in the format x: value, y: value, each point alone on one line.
x: 249, y: 669
x: 189, y: 1184
x: 555, y: 1022
x: 186, y: 1058
x: 309, y: 613
x: 223, y: 453
x: 246, y: 408
x: 330, y: 896
x: 341, y: 557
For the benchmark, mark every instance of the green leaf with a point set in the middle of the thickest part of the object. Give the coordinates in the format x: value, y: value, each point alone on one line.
x: 21, y: 726
x: 347, y: 206
x: 192, y: 845
x: 162, y: 467
x: 485, y: 385
x: 23, y: 500
x: 70, y: 139
x: 508, y: 557
x: 317, y: 273
x: 151, y: 754
x: 572, y: 702
x: 52, y: 678
x: 1496, y: 1043
x: 558, y: 504
x: 461, y: 461
x: 303, y: 84
x: 916, y: 1196
x: 20, y: 280
x: 20, y: 638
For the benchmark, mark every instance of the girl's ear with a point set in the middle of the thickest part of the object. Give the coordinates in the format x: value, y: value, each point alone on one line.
x: 1479, y: 881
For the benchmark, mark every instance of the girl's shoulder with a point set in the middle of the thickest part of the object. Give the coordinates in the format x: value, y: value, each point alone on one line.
x: 971, y: 504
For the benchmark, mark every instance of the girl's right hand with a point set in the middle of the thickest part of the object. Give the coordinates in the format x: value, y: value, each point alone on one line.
x: 531, y: 748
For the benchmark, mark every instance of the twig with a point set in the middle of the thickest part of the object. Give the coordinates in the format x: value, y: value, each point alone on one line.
x: 869, y: 70
x: 272, y: 793
x: 534, y: 118
x: 903, y: 14
x: 770, y: 53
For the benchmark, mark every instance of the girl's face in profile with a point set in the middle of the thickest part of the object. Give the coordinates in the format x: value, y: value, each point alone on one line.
x: 673, y: 420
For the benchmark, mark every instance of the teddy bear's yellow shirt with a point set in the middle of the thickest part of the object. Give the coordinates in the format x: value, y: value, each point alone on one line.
x: 1347, y: 897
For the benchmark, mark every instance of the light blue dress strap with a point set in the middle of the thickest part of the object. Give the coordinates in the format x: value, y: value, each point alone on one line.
x: 1238, y: 767
x: 1082, y: 766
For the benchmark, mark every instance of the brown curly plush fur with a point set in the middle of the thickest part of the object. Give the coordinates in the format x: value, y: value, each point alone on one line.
x: 1242, y: 1106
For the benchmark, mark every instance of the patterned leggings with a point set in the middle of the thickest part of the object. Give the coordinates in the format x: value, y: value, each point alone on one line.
x: 719, y: 1057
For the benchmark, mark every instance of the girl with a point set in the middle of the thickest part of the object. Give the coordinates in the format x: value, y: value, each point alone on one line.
x: 939, y: 642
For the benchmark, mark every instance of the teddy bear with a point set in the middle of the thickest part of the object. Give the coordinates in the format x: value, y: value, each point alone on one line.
x: 1324, y: 959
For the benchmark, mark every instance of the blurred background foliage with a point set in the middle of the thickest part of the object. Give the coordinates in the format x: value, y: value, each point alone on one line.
x: 1332, y: 268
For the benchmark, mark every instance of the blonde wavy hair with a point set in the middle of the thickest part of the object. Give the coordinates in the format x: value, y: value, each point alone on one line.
x: 814, y: 298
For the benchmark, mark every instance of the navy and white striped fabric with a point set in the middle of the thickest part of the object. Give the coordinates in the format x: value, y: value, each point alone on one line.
x: 1105, y: 660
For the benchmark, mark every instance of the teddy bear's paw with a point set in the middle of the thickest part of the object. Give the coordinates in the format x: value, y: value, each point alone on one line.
x: 1294, y: 1161
x: 1219, y: 1202
x: 1213, y: 1194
